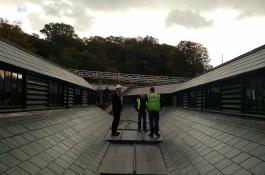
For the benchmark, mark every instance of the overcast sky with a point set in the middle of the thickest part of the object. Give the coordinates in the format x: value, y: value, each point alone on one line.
x: 228, y: 27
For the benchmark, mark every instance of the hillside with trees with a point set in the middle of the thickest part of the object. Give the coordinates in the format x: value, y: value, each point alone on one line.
x: 144, y: 55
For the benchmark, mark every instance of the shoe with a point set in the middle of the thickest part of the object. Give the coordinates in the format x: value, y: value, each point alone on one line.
x: 115, y: 134
x: 139, y: 130
x: 151, y: 135
x: 145, y: 130
x: 157, y: 134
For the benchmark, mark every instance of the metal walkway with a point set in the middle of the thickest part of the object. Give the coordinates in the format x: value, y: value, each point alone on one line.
x: 133, y: 152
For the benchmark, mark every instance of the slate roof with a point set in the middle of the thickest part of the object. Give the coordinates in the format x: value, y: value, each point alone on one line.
x: 196, y: 142
x: 65, y: 141
x: 162, y: 89
x: 71, y: 141
x: 247, y: 62
x: 12, y: 55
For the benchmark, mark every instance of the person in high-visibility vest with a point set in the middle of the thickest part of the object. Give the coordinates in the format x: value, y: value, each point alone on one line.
x: 153, y: 105
x: 141, y: 107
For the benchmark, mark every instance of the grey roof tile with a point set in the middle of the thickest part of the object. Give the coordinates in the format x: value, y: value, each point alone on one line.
x: 250, y: 163
x: 16, y: 171
x: 29, y: 167
x: 259, y: 169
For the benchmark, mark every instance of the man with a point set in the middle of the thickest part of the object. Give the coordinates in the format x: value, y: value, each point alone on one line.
x: 116, y: 109
x: 153, y: 105
x: 141, y: 107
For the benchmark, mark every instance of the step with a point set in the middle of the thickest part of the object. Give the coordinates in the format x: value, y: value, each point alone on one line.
x: 130, y: 136
x: 133, y: 159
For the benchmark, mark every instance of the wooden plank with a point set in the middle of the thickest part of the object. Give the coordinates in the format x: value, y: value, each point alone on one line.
x: 132, y: 136
x: 118, y: 160
x: 149, y: 160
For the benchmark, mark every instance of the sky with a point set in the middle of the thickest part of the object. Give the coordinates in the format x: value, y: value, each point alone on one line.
x: 226, y: 28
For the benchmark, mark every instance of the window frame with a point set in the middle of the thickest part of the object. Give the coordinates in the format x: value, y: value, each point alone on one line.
x: 14, y: 97
x: 56, y: 94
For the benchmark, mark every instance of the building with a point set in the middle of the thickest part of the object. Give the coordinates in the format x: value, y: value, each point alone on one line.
x: 235, y: 87
x: 28, y: 82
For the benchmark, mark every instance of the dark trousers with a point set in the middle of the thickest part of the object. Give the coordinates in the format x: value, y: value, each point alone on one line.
x: 154, y: 121
x: 115, y: 122
x: 142, y: 115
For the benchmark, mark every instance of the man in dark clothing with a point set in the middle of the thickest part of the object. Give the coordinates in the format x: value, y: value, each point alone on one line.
x: 141, y: 107
x: 116, y: 109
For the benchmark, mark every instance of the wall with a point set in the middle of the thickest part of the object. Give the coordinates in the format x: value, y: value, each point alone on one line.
x: 244, y: 94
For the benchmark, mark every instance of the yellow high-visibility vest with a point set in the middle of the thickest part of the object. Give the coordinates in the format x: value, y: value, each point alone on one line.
x: 139, y: 103
x: 153, y: 103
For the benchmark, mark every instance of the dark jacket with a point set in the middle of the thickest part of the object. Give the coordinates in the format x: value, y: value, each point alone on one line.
x: 143, y: 106
x: 116, y: 103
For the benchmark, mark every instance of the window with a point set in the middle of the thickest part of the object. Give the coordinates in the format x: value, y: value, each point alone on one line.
x: 91, y: 97
x: 78, y: 96
x: 179, y: 99
x: 56, y: 94
x: 11, y: 89
x: 255, y: 94
x: 213, y: 98
x: 192, y: 99
x: 2, y: 84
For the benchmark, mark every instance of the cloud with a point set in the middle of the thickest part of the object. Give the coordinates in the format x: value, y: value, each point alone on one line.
x: 109, y: 5
x: 82, y: 20
x: 248, y: 8
x: 187, y: 19
x: 56, y: 11
x: 77, y: 10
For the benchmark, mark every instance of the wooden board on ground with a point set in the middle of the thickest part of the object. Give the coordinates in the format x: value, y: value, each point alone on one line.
x: 149, y: 160
x: 118, y: 160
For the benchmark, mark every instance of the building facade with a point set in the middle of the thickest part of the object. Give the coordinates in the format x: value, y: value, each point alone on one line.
x: 235, y: 87
x: 28, y: 82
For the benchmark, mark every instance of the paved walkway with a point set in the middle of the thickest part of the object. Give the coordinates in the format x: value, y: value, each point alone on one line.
x: 71, y: 142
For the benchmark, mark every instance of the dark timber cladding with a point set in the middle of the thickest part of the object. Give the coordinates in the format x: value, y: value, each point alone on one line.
x: 29, y: 82
x: 235, y: 87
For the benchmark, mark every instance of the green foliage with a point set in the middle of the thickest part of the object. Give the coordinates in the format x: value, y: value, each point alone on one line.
x: 115, y: 54
x: 196, y: 57
x: 13, y: 33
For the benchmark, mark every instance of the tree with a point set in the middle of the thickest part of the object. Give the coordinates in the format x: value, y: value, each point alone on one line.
x: 14, y: 33
x: 59, y: 33
x: 196, y: 56
x: 143, y: 55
